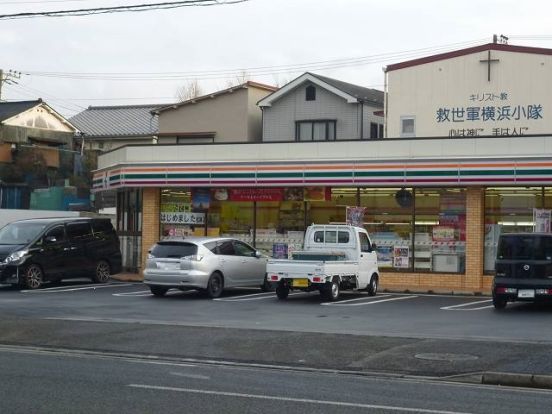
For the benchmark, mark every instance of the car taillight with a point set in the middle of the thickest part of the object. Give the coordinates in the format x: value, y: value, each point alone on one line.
x: 543, y: 291
x: 274, y: 277
x: 317, y: 279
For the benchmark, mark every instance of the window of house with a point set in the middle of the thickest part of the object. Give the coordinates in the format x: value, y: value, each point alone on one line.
x: 408, y: 126
x: 310, y: 93
x: 323, y: 130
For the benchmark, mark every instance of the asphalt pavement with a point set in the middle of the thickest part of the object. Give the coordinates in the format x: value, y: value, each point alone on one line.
x: 426, y: 335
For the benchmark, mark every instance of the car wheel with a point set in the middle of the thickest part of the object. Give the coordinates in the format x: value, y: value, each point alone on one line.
x: 33, y: 277
x: 499, y: 303
x: 331, y: 293
x: 373, y: 286
x: 158, y: 290
x: 215, y: 285
x: 266, y: 286
x: 282, y: 291
x: 102, y: 272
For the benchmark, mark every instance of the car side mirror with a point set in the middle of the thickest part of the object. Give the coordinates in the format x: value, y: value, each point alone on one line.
x: 258, y: 254
x: 374, y: 247
x: 50, y: 239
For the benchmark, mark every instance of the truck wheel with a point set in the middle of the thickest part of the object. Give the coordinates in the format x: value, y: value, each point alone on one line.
x: 282, y: 291
x: 372, y: 287
x: 331, y: 293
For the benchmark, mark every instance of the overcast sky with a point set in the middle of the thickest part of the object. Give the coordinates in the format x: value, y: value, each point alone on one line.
x: 257, y: 33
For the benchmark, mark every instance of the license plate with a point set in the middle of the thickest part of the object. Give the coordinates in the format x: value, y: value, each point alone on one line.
x: 170, y: 266
x: 300, y: 283
x: 526, y: 293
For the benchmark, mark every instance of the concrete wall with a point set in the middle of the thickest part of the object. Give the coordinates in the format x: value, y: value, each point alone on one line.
x: 400, y: 150
x: 462, y: 82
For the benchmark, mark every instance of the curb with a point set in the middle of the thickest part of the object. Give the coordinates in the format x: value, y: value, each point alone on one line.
x: 517, y: 380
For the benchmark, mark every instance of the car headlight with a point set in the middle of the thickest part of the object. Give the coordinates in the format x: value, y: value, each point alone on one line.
x: 16, y: 256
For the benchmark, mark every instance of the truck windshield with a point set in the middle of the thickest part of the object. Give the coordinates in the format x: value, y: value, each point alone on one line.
x: 525, y: 247
x: 20, y: 233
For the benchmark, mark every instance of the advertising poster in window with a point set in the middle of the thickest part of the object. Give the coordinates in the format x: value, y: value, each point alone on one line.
x: 355, y: 216
x: 385, y: 256
x: 255, y: 194
x: 541, y: 218
x: 280, y: 250
x: 201, y: 198
x: 400, y: 257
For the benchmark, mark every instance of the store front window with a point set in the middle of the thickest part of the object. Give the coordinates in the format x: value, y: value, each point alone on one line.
x: 388, y: 220
x: 414, y: 229
x: 440, y: 230
x: 510, y: 210
x: 129, y: 227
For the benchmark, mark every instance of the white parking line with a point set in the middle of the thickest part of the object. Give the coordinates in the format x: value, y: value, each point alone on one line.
x: 246, y: 298
x: 148, y: 293
x: 73, y: 289
x: 461, y: 305
x: 367, y: 303
x: 291, y: 399
x: 357, y: 299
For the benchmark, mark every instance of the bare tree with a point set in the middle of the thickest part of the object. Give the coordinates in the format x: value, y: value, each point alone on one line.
x: 190, y: 90
x: 240, y: 79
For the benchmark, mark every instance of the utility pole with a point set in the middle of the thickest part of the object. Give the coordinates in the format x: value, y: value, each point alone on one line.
x: 9, y: 78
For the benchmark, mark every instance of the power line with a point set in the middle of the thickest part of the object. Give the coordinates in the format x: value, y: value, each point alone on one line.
x: 119, y: 9
x: 252, y: 71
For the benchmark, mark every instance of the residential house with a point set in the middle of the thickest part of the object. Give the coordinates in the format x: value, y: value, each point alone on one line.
x: 104, y: 128
x: 317, y: 108
x: 229, y: 115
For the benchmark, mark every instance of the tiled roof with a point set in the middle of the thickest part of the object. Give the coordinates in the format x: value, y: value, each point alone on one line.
x: 366, y: 95
x: 9, y: 109
x: 117, y: 121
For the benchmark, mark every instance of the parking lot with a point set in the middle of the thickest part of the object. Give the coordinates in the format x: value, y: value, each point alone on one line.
x: 387, y: 314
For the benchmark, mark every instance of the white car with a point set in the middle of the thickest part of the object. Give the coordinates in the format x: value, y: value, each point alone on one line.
x: 209, y: 264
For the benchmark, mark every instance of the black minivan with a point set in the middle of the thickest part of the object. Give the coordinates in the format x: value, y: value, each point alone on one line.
x: 50, y: 249
x: 523, y: 268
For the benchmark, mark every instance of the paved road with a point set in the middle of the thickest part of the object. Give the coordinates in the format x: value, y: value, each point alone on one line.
x: 436, y: 336
x: 387, y: 314
x: 58, y: 382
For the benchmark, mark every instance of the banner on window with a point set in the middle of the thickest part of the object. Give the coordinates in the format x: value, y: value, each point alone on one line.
x: 541, y: 218
x: 355, y: 216
x: 183, y: 218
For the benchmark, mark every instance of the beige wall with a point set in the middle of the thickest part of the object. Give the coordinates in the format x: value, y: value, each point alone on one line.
x: 224, y: 114
x: 233, y: 117
x: 421, y: 90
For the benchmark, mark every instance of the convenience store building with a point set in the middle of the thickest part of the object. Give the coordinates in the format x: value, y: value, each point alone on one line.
x: 449, y: 177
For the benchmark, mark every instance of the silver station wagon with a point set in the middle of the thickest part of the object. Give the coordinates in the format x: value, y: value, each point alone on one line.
x: 209, y: 264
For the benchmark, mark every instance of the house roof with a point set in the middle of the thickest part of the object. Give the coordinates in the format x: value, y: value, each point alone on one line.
x: 10, y: 109
x: 248, y: 84
x: 117, y: 121
x: 469, y: 51
x: 348, y: 91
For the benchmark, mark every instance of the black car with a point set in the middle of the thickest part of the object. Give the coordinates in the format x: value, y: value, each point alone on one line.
x: 523, y: 269
x: 39, y: 250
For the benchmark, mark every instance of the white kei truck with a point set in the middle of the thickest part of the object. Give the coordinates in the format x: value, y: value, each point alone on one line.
x: 334, y: 258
